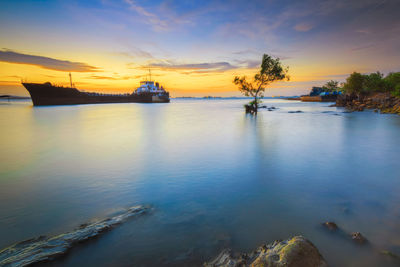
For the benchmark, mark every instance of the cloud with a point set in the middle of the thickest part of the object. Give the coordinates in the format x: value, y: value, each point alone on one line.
x: 363, y: 47
x: 303, y: 27
x: 363, y: 31
x: 193, y: 67
x: 164, y: 20
x: 246, y: 52
x: 250, y: 64
x: 14, y: 76
x: 10, y: 56
x: 200, y: 68
x: 100, y: 77
x: 332, y: 76
x: 133, y: 52
x: 151, y: 18
x: 136, y: 52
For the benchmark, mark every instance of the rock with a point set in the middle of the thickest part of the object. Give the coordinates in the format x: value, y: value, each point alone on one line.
x: 297, y: 111
x: 358, y: 238
x: 42, y: 249
x: 223, y: 259
x: 330, y: 226
x: 390, y: 254
x: 294, y: 252
x: 383, y: 102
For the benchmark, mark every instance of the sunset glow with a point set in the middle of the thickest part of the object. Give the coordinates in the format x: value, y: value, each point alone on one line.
x: 193, y: 48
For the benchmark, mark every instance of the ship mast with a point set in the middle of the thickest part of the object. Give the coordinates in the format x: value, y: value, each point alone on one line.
x: 70, y: 79
x: 150, y: 74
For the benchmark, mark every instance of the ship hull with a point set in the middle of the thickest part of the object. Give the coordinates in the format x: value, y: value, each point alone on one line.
x: 47, y: 94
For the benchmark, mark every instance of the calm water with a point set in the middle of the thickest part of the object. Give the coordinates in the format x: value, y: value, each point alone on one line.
x: 215, y: 177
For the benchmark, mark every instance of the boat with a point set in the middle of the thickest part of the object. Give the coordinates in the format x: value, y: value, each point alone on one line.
x: 43, y: 94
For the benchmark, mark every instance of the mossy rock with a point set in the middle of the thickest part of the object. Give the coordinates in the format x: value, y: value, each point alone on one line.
x: 294, y: 252
x: 390, y: 254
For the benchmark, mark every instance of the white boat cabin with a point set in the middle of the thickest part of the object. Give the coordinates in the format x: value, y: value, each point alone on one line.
x: 149, y: 87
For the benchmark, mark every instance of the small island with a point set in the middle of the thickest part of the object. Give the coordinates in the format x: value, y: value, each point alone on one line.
x: 359, y: 92
x: 371, y: 91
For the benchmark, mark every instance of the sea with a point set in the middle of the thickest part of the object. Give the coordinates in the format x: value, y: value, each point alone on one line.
x: 214, y: 177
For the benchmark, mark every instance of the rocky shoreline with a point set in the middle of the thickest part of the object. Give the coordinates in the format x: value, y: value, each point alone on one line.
x: 293, y: 252
x: 382, y: 102
x: 297, y: 251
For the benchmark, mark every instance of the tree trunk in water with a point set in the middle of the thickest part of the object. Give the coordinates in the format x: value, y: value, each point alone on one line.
x: 255, y: 104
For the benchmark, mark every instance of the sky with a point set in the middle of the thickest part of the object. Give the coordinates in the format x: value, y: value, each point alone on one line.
x: 193, y: 48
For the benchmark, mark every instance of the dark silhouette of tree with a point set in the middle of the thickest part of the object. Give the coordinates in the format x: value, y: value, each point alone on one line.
x: 271, y: 70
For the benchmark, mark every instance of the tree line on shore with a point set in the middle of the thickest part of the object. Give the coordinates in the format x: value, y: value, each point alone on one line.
x: 366, y: 84
x: 272, y: 70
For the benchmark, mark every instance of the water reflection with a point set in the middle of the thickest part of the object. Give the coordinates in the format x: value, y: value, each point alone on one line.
x: 216, y: 177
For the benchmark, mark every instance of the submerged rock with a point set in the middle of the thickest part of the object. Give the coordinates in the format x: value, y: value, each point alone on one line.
x: 330, y: 226
x: 390, y: 254
x: 294, y: 252
x: 297, y: 111
x: 358, y: 238
x: 44, y: 248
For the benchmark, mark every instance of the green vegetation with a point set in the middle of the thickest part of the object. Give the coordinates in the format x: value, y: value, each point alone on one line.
x: 365, y: 84
x: 393, y: 81
x: 331, y: 86
x: 271, y: 70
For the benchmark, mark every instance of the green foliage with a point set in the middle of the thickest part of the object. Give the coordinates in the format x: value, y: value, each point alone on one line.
x: 393, y: 81
x: 354, y: 83
x: 396, y: 91
x: 271, y: 70
x: 254, y: 103
x: 331, y: 86
x: 374, y: 82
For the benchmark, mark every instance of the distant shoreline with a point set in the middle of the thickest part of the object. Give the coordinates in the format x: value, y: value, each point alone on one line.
x: 236, y: 97
x: 13, y: 97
